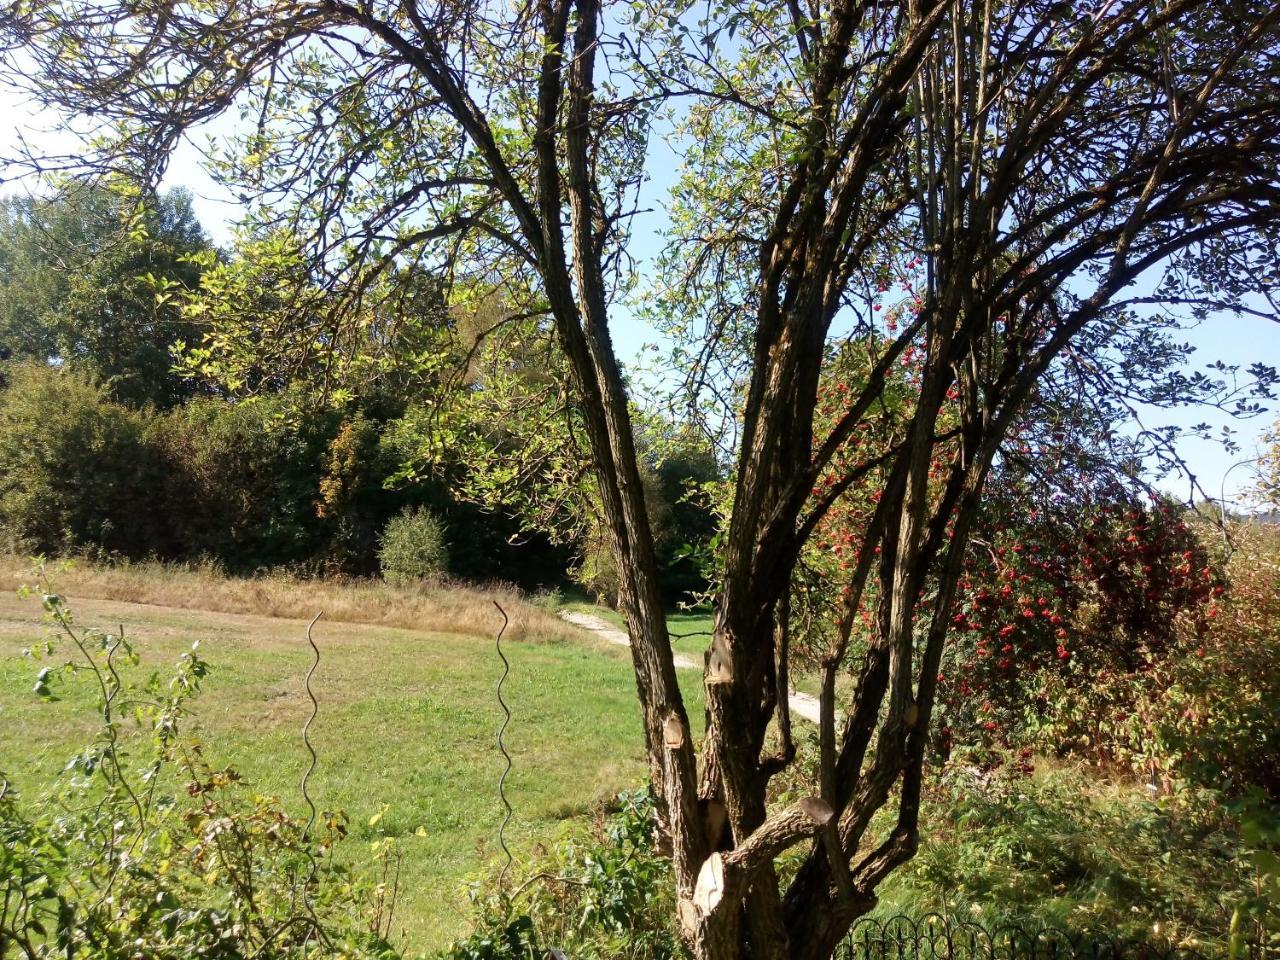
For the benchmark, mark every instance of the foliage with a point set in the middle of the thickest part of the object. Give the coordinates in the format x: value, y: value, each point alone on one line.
x: 687, y: 477
x: 244, y: 482
x: 1079, y: 600
x: 1066, y: 848
x: 676, y: 472
x: 262, y: 483
x: 1212, y: 711
x: 1142, y: 654
x: 240, y: 483
x: 1268, y: 487
x: 352, y: 499
x: 1030, y: 844
x: 1067, y: 617
x: 266, y: 324
x: 143, y: 848
x: 77, y: 469
x: 596, y: 897
x: 413, y: 547
x: 509, y: 441
x: 91, y: 277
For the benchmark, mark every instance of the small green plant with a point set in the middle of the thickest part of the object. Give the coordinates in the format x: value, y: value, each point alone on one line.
x: 604, y: 895
x: 413, y: 547
x: 551, y: 599
x: 1256, y: 917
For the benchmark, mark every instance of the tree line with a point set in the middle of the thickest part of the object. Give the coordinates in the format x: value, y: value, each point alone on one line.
x: 117, y: 443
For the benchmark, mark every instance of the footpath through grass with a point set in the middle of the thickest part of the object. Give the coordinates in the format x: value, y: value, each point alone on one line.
x: 407, y: 722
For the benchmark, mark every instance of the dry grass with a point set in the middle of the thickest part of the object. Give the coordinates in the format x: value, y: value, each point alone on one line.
x: 443, y: 608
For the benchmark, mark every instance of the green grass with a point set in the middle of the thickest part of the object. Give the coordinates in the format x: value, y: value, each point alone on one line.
x: 407, y: 720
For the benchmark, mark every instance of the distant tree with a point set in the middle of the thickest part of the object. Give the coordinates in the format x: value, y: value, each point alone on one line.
x: 1024, y: 164
x: 686, y: 470
x: 261, y: 321
x: 77, y: 470
x: 87, y: 279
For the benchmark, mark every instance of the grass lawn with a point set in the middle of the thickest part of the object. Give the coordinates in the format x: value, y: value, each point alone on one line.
x: 407, y: 719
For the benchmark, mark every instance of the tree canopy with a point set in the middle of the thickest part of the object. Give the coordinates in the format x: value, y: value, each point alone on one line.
x: 87, y: 278
x: 1006, y: 196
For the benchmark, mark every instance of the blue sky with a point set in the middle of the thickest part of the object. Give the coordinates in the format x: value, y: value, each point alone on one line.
x: 1233, y: 340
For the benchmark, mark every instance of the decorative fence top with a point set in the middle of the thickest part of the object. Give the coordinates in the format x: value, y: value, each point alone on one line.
x: 935, y: 937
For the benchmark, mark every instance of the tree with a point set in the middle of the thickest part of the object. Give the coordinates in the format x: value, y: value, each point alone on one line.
x: 259, y: 323
x: 86, y: 278
x: 76, y: 470
x: 1023, y: 165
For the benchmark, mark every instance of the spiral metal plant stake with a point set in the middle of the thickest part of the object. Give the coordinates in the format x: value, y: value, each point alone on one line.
x: 312, y: 922
x: 502, y: 749
x: 306, y: 727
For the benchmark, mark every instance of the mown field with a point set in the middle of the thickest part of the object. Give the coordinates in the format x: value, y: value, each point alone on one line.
x: 407, y: 720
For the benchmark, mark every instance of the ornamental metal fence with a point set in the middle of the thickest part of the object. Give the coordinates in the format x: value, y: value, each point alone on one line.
x: 934, y: 937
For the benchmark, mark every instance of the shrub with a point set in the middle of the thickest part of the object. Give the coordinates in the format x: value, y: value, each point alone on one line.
x: 245, y: 481
x: 1215, y: 716
x: 412, y: 547
x: 608, y: 894
x: 251, y: 485
x: 239, y: 482
x: 77, y: 471
x: 352, y: 500
x: 1066, y: 623
x: 1192, y: 701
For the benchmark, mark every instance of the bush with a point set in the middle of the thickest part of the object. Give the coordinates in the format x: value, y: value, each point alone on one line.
x: 245, y: 481
x: 1192, y: 699
x: 353, y: 502
x: 1214, y: 717
x: 249, y: 485
x: 609, y: 894
x: 412, y: 547
x: 1066, y: 624
x: 77, y: 471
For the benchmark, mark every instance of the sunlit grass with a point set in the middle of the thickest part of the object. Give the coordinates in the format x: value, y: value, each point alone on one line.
x: 407, y: 722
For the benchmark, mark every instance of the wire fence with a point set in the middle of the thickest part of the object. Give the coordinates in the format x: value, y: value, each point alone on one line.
x: 934, y: 937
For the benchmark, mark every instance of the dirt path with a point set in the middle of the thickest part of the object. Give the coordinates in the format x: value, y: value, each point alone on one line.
x: 802, y: 704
